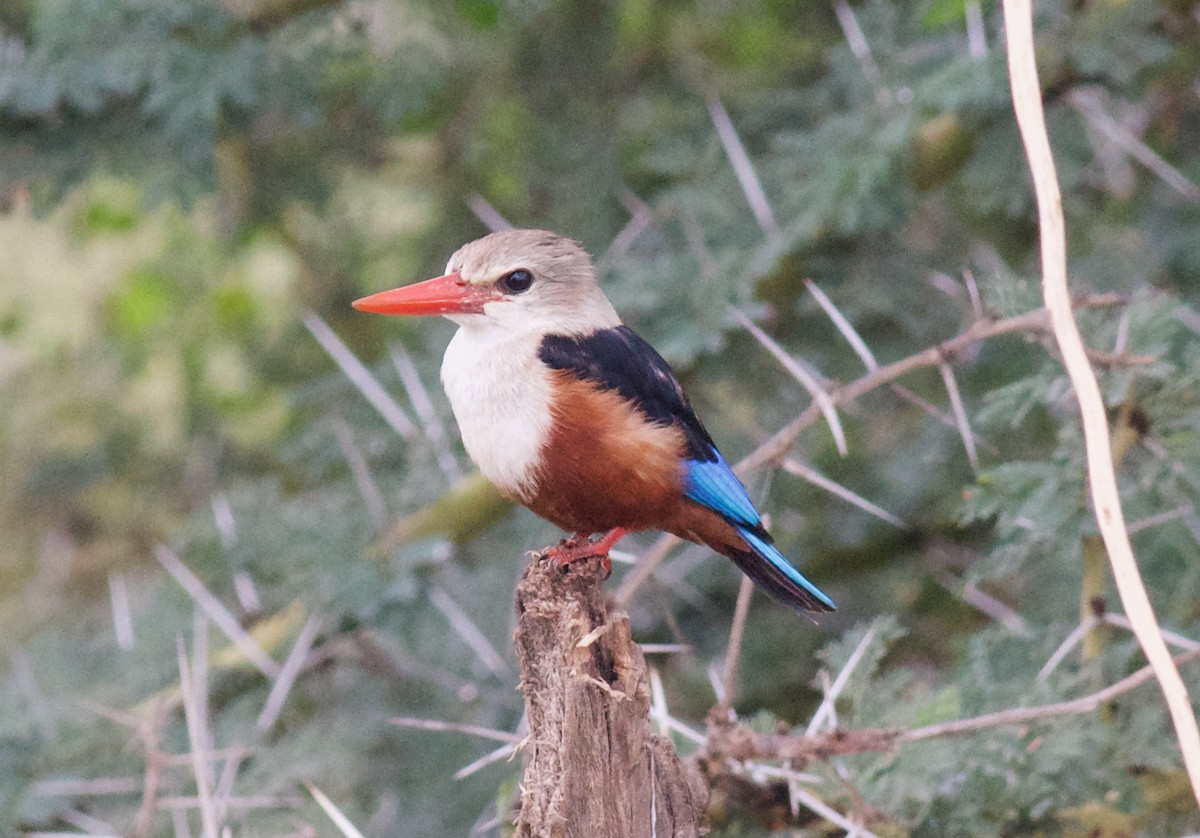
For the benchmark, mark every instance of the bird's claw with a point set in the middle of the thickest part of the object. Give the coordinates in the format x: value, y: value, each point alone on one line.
x: 576, y: 549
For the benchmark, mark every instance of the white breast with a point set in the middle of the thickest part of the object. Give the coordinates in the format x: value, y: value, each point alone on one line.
x: 500, y: 393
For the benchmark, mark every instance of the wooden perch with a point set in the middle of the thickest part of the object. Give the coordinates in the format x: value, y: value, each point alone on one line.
x: 592, y: 765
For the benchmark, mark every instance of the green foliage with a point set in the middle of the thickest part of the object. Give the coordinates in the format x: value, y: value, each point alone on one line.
x: 180, y: 181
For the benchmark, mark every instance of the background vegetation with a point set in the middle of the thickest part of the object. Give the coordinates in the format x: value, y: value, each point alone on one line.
x: 191, y: 193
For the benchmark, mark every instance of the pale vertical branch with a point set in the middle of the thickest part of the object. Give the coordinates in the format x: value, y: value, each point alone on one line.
x: 843, y: 325
x: 737, y: 632
x: 807, y: 380
x: 960, y: 414
x: 217, y: 612
x: 488, y: 214
x: 857, y: 42
x: 223, y: 516
x: 196, y: 717
x: 360, y: 376
x: 1018, y: 17
x: 976, y: 33
x: 431, y: 424
x: 287, y: 674
x: 756, y: 196
x: 360, y: 471
x: 470, y: 633
x: 118, y: 594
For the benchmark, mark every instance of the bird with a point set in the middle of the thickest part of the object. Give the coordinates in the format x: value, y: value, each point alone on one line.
x: 572, y: 414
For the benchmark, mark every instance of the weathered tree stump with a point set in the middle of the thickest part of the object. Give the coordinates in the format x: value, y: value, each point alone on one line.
x: 593, y: 768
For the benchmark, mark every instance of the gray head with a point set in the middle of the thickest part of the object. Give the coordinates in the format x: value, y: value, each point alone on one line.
x: 538, y: 282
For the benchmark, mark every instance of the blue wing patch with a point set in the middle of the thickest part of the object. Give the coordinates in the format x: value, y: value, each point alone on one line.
x: 713, y: 484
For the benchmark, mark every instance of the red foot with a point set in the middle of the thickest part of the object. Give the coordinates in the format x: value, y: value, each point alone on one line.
x: 580, y: 546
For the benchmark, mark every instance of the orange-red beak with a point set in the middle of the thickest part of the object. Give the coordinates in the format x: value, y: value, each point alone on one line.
x: 447, y: 294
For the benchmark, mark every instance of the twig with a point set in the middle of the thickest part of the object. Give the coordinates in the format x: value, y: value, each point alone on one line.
x: 859, y: 46
x: 825, y: 711
x: 756, y: 196
x: 335, y: 814
x: 774, y: 449
x: 149, y: 734
x: 475, y: 639
x: 739, y: 743
x: 1018, y: 17
x: 288, y: 672
x: 360, y: 471
x: 960, y: 414
x: 85, y: 788
x: 454, y: 727
x: 195, y: 714
x: 217, y: 612
x: 737, y: 631
x: 1069, y: 642
x: 843, y: 325
x: 644, y: 568
x: 488, y: 214
x: 118, y: 594
x: 970, y: 593
x: 1087, y: 102
x: 976, y: 34
x: 813, y: 803
x: 1031, y: 321
x: 1174, y: 638
x: 819, y: 394
x: 223, y: 518
x: 662, y: 716
x: 360, y: 377
x: 640, y: 218
x: 431, y: 424
x: 1023, y: 715
x: 797, y: 468
x: 503, y: 752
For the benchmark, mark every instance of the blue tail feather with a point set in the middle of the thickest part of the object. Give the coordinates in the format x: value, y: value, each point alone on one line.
x: 771, y: 569
x: 712, y: 484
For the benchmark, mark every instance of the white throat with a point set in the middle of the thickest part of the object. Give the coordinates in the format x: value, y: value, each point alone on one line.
x: 501, y: 395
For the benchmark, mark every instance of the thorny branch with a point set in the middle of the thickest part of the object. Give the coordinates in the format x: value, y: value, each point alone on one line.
x: 776, y: 448
x: 728, y: 740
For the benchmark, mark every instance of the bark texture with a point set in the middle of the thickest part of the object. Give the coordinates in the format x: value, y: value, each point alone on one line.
x: 593, y: 768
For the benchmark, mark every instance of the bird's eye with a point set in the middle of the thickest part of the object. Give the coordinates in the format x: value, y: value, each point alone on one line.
x: 516, y: 282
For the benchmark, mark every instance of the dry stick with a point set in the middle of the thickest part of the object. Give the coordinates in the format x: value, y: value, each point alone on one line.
x: 960, y: 415
x: 738, y: 743
x: 751, y: 185
x: 815, y: 388
x: 197, y: 739
x: 1027, y: 102
x: 592, y: 765
x: 736, y: 632
x: 1022, y: 715
x: 455, y: 727
x: 1037, y: 320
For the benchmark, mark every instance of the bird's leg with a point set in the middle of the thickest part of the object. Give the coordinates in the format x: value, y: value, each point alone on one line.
x: 580, y: 546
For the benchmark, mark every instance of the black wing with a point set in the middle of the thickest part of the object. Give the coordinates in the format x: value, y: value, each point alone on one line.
x: 617, y: 359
